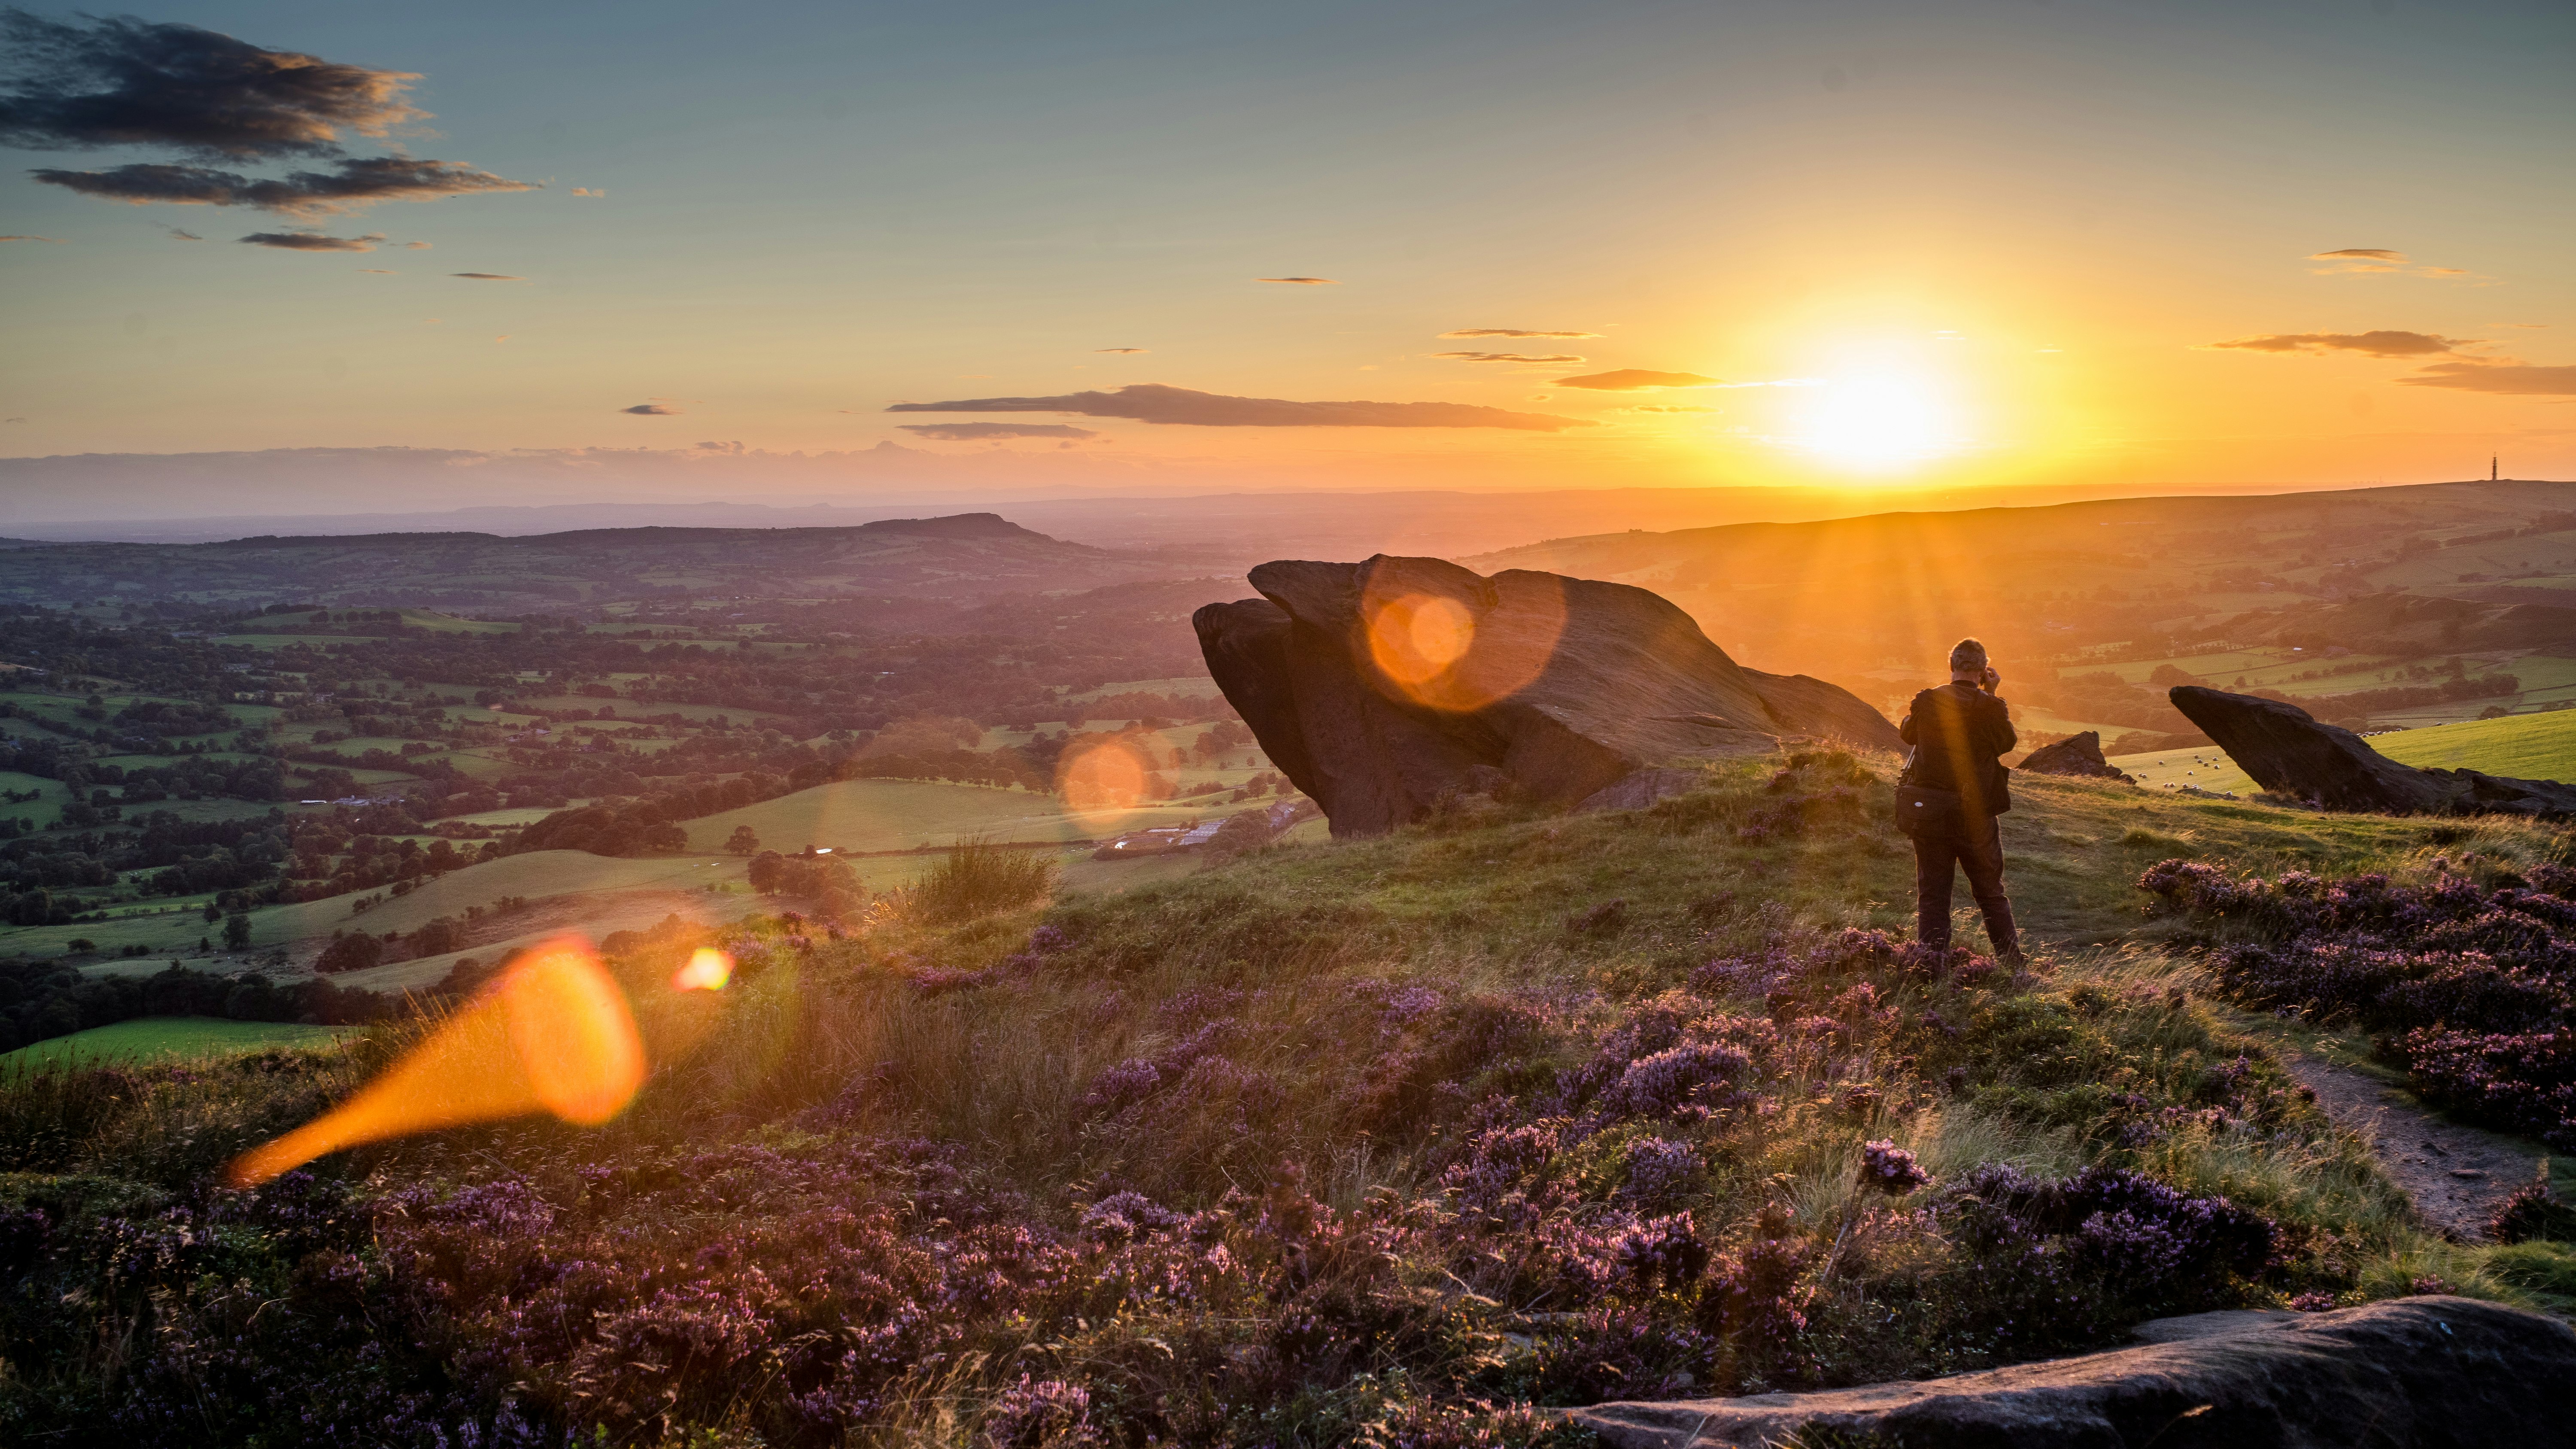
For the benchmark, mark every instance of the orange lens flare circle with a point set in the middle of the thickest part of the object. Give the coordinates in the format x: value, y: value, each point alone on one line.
x: 1436, y: 651
x: 708, y: 970
x: 1116, y: 773
x: 555, y: 1034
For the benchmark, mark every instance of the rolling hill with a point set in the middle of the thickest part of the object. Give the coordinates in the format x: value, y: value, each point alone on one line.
x: 966, y: 556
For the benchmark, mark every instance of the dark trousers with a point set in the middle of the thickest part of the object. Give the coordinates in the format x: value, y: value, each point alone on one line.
x: 1979, y: 849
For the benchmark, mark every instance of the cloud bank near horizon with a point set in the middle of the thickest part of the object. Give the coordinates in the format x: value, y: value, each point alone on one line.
x: 1153, y: 402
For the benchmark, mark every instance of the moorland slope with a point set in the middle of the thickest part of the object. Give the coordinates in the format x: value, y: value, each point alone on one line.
x: 1397, y: 1140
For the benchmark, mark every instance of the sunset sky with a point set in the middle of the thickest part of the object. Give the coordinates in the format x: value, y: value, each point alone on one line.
x: 1899, y: 244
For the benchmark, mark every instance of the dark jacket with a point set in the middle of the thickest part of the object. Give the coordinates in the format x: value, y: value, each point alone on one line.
x: 1959, y: 734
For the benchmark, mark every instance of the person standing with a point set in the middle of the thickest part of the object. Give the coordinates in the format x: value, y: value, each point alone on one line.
x: 1960, y: 732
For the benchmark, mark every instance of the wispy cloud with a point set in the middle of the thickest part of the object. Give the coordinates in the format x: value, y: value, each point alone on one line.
x: 1121, y: 351
x: 182, y: 234
x: 58, y: 241
x: 1507, y: 357
x: 418, y: 246
x: 1157, y: 403
x: 2381, y: 343
x: 1465, y: 332
x: 124, y: 82
x: 590, y: 191
x: 379, y: 272
x: 313, y: 241
x: 982, y: 432
x: 350, y: 186
x: 652, y: 410
x: 1301, y: 281
x: 1633, y: 379
x: 2503, y: 376
x: 1670, y: 408
x: 2376, y: 261
x: 487, y: 276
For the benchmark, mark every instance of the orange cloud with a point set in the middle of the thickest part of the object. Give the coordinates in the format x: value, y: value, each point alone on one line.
x: 1633, y: 379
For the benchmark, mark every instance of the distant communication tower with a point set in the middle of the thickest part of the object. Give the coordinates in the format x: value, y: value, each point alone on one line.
x: 2491, y: 469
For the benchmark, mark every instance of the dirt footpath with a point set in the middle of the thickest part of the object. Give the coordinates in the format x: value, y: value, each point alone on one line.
x: 2457, y: 1176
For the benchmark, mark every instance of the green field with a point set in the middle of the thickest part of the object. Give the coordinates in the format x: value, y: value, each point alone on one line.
x: 910, y: 814
x: 2528, y: 746
x: 164, y: 1038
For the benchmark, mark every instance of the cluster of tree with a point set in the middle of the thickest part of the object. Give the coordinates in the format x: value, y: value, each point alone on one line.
x: 2404, y: 696
x: 827, y: 880
x: 641, y: 828
x: 43, y: 999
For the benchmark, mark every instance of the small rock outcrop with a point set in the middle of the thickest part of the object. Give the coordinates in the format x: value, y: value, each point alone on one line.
x: 1383, y: 686
x: 2413, y: 1373
x: 2073, y: 755
x: 2290, y: 752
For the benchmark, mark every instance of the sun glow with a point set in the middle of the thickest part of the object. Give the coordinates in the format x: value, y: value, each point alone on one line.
x: 1877, y: 421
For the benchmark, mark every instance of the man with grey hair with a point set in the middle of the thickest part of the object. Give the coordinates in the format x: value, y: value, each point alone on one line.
x: 1960, y: 732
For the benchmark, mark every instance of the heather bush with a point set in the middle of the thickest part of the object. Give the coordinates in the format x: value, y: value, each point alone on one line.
x: 2475, y: 985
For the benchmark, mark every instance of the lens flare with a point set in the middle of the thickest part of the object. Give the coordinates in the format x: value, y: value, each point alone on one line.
x: 1116, y: 774
x: 708, y: 970
x: 1416, y: 638
x: 1434, y: 649
x: 553, y: 1035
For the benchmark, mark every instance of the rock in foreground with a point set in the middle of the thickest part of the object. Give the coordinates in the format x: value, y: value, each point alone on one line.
x: 2290, y: 752
x: 2415, y: 1373
x: 1381, y: 687
x: 2073, y: 755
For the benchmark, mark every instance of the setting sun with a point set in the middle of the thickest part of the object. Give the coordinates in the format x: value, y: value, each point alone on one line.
x: 1877, y: 421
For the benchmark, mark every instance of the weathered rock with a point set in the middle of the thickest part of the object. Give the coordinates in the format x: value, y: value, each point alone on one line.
x: 2073, y: 755
x: 1380, y: 687
x: 2415, y: 1373
x: 2290, y: 752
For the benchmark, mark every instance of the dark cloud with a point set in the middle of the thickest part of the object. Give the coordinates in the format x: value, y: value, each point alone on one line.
x: 178, y: 234
x: 1510, y: 332
x: 2513, y: 379
x: 125, y: 82
x: 1156, y: 403
x: 1123, y: 351
x: 314, y: 241
x: 978, y: 432
x: 2369, y: 344
x: 1301, y: 281
x: 1634, y: 379
x: 1507, y: 357
x: 351, y: 184
x: 654, y: 410
x: 2358, y: 254
x: 487, y: 276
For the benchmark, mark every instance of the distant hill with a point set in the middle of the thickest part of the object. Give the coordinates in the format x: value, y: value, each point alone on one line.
x: 960, y: 558
x: 2152, y: 574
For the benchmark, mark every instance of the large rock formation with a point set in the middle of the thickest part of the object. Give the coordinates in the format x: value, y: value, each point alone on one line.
x: 2289, y: 752
x: 2073, y: 755
x: 2415, y: 1373
x: 1380, y: 687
